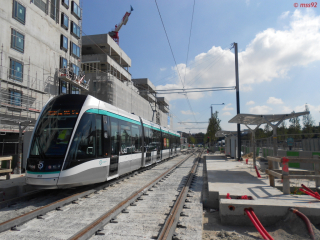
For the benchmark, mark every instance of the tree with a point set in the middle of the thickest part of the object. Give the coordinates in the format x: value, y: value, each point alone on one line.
x: 213, y: 127
x: 282, y: 129
x: 267, y: 130
x: 295, y: 127
x: 191, y: 139
x: 308, y: 122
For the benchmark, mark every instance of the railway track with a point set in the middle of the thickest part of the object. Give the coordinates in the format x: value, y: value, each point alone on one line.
x: 65, y: 223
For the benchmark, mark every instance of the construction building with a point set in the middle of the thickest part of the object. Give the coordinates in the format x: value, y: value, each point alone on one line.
x: 40, y: 44
x: 107, y: 66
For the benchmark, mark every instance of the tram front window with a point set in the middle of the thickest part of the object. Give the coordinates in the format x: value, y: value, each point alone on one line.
x: 53, y: 136
x: 53, y: 133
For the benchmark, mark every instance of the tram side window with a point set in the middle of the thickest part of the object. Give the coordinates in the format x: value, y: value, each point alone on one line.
x: 105, y: 136
x: 136, y: 138
x: 151, y: 146
x: 146, y: 138
x: 126, y: 142
x: 155, y: 140
x: 99, y: 135
x: 165, y: 140
x: 83, y: 146
x: 115, y: 142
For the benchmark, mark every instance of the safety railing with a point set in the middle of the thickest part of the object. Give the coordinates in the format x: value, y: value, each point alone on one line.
x: 67, y: 74
x: 285, y: 174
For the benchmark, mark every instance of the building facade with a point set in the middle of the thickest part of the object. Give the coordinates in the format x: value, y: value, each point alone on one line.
x: 107, y: 66
x: 40, y: 44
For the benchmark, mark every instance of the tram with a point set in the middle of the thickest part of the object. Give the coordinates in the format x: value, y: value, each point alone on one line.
x: 80, y: 140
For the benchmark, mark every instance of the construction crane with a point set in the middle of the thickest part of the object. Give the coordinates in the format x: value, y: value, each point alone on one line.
x: 115, y: 34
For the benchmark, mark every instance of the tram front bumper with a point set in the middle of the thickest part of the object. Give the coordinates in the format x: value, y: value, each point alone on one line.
x: 42, y: 183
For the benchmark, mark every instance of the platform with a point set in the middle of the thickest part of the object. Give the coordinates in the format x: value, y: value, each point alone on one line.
x: 14, y: 187
x: 238, y: 179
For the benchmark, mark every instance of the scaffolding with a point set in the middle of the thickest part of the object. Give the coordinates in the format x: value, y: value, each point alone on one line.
x: 22, y: 96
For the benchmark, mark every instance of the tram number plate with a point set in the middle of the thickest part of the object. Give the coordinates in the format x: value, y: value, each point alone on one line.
x: 39, y: 176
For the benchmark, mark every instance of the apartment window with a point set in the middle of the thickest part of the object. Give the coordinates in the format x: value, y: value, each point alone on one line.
x: 16, y: 70
x: 76, y: 69
x: 65, y: 3
x: 19, y: 12
x: 63, y: 62
x: 75, y: 30
x: 54, y: 13
x: 75, y: 50
x: 43, y: 5
x: 64, y: 43
x: 17, y: 41
x: 75, y: 90
x: 64, y: 21
x: 63, y: 87
x: 75, y: 10
x: 15, y: 97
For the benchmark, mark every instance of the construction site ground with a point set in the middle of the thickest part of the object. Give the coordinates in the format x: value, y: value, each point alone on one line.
x: 224, y: 177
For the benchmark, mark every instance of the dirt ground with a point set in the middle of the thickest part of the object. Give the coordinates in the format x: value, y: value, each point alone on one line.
x: 290, y: 228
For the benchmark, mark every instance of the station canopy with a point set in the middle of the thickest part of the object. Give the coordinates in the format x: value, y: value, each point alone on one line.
x: 258, y: 119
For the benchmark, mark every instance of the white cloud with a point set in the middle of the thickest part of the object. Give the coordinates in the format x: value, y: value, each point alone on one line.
x: 302, y: 108
x: 284, y: 15
x: 271, y: 54
x: 227, y: 107
x: 248, y: 2
x: 163, y: 69
x: 260, y: 109
x: 273, y: 100
x: 250, y: 103
x: 188, y: 112
x: 245, y: 88
x: 226, y: 114
x: 287, y: 109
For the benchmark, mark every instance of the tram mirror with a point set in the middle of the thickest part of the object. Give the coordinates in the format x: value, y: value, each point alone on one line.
x: 105, y: 134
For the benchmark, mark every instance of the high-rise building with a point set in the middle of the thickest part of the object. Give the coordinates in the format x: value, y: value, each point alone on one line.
x: 40, y: 55
x: 107, y: 65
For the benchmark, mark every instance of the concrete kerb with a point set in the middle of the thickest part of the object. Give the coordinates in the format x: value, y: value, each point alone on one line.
x: 270, y: 205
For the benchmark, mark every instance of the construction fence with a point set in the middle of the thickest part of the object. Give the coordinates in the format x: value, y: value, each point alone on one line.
x: 291, y: 145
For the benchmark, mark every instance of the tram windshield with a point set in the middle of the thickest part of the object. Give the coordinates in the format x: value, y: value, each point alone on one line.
x: 55, y: 126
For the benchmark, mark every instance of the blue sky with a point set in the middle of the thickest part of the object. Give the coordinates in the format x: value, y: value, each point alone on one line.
x: 279, y: 53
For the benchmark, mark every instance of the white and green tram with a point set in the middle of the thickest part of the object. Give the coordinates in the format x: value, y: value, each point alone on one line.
x: 81, y: 140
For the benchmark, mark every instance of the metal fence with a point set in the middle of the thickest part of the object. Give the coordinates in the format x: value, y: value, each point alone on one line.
x: 297, y: 142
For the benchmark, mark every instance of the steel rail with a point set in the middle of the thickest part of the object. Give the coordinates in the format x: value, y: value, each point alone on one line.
x: 171, y: 222
x: 19, y: 220
x: 26, y: 196
x: 14, y: 222
x: 98, y: 224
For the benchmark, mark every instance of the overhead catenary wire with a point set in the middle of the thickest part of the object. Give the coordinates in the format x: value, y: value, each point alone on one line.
x: 185, y: 71
x: 174, y: 58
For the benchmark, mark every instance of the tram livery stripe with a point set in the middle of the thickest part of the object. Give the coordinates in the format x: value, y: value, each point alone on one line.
x: 104, y: 112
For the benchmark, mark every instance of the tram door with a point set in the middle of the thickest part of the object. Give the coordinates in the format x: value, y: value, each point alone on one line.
x: 115, y: 146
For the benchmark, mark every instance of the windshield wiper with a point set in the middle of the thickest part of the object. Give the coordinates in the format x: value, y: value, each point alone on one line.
x: 42, y: 154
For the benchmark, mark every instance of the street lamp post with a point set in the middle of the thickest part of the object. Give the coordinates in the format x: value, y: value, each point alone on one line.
x: 211, y: 108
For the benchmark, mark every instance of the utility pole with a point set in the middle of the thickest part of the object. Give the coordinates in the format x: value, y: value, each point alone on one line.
x: 22, y: 127
x: 237, y: 96
x: 211, y: 111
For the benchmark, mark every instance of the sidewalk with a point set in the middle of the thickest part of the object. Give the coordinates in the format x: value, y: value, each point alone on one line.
x: 238, y: 179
